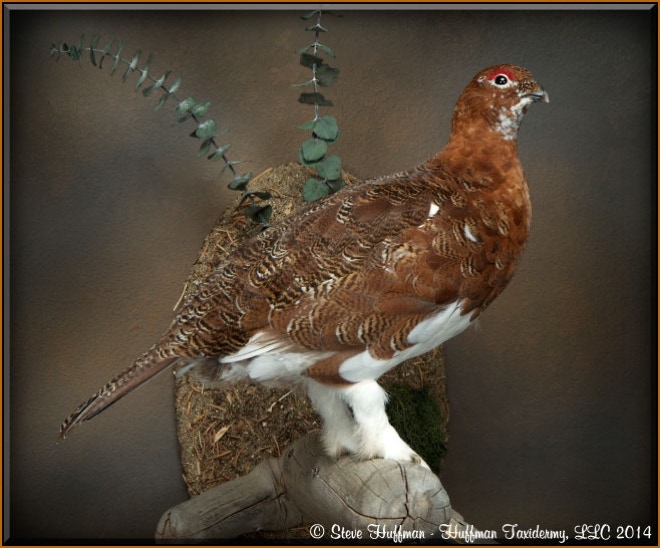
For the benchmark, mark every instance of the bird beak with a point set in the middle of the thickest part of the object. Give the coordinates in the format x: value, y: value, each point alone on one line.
x: 539, y: 95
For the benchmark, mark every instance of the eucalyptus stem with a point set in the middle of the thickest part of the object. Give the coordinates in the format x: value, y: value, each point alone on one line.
x: 317, y: 35
x: 325, y: 131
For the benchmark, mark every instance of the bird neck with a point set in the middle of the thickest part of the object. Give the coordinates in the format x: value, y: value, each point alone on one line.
x: 480, y: 156
x: 478, y: 115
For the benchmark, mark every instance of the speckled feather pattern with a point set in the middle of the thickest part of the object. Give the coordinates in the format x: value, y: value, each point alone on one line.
x: 355, y: 273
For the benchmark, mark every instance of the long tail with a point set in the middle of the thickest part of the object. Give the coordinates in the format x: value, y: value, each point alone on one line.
x: 144, y: 368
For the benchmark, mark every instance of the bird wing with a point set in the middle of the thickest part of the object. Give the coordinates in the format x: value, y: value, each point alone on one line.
x: 359, y: 269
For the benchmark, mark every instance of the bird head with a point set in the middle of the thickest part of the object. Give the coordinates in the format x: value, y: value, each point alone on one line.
x: 498, y: 96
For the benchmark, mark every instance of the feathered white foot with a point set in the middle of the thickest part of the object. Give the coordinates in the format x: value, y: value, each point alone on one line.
x: 355, y: 422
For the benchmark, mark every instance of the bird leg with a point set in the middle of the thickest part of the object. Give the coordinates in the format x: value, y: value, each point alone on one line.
x: 339, y: 429
x: 355, y: 421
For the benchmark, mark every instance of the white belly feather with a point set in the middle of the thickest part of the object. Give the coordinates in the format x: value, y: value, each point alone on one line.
x: 426, y: 335
x: 264, y: 360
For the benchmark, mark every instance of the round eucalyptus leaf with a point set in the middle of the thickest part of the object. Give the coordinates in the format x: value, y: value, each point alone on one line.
x: 219, y: 153
x: 314, y: 99
x: 329, y: 168
x: 326, y: 75
x: 258, y: 213
x: 325, y: 49
x: 175, y: 85
x: 336, y: 185
x: 313, y: 150
x: 162, y: 100
x: 200, y: 109
x: 184, y: 106
x: 326, y: 128
x: 308, y: 60
x: 206, y: 129
x: 314, y: 189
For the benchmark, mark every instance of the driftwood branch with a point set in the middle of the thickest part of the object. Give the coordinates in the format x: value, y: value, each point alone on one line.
x: 304, y: 487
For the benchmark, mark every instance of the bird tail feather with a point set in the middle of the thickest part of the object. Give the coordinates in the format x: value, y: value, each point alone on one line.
x: 144, y: 368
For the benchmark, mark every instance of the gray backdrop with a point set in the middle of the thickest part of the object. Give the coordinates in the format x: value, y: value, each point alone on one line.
x: 550, y: 397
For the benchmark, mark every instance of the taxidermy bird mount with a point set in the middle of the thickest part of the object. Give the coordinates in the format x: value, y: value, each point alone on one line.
x: 352, y: 285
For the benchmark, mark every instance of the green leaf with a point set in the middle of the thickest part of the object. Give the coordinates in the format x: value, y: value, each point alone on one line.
x: 329, y: 168
x: 258, y: 213
x: 164, y: 97
x: 240, y: 181
x: 230, y: 166
x: 184, y: 106
x: 95, y: 42
x: 132, y: 65
x: 74, y: 53
x: 175, y: 85
x: 200, y: 109
x: 117, y: 57
x: 105, y: 51
x: 314, y: 99
x: 157, y: 84
x: 145, y: 72
x: 317, y: 27
x: 313, y: 150
x: 308, y: 83
x: 262, y: 195
x: 308, y: 60
x: 235, y: 185
x: 308, y: 125
x: 310, y: 14
x: 326, y: 128
x: 206, y: 129
x: 313, y: 189
x: 81, y: 40
x: 219, y: 153
x: 327, y: 75
x: 325, y: 49
x: 335, y: 185
x: 205, y: 147
x: 142, y: 78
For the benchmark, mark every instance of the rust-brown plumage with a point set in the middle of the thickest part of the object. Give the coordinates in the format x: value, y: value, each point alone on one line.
x: 351, y: 277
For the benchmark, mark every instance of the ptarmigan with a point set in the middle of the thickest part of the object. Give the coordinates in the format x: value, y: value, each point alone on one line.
x: 350, y: 286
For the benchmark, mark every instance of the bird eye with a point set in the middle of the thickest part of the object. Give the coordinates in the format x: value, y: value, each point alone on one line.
x: 501, y: 80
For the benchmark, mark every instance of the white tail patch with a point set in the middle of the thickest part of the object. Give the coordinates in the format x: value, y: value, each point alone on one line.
x: 260, y: 343
x: 266, y: 358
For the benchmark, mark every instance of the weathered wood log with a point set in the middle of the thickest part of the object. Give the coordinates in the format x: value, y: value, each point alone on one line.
x: 349, y: 497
